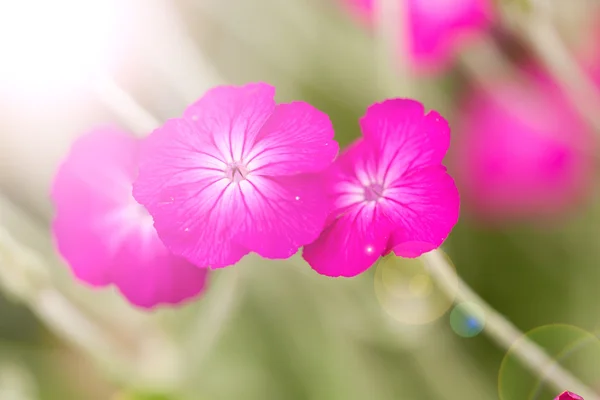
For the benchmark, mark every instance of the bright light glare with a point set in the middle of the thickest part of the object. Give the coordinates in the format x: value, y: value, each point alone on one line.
x: 46, y: 44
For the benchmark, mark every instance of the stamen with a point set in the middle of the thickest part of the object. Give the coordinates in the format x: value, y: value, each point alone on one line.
x: 236, y: 171
x: 373, y: 192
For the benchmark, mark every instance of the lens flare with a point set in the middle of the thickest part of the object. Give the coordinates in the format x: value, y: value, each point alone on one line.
x: 467, y: 320
x: 574, y: 349
x: 48, y: 44
x: 407, y: 292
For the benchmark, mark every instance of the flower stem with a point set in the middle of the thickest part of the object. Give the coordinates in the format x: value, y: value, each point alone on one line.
x: 539, y: 30
x: 220, y: 306
x: 391, y: 45
x: 503, y: 332
x: 24, y: 277
x: 26, y: 261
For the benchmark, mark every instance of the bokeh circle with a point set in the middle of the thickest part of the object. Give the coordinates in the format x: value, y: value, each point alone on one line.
x: 574, y: 349
x: 467, y: 320
x: 408, y: 293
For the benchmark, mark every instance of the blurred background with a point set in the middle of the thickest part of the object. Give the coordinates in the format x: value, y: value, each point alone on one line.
x: 519, y: 82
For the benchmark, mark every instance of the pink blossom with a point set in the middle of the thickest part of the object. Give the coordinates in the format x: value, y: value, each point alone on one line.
x: 237, y: 173
x: 389, y: 191
x: 522, y: 150
x: 105, y: 235
x: 568, y: 396
x: 436, y: 29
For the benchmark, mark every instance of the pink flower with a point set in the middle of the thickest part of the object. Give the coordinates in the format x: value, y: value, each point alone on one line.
x: 389, y: 191
x: 523, y: 151
x: 237, y: 174
x: 568, y: 396
x: 436, y: 29
x: 105, y: 235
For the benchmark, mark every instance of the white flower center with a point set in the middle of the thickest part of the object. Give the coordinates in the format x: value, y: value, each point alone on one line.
x: 373, y: 192
x: 236, y: 172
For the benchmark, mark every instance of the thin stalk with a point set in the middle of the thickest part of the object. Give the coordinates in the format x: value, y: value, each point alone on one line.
x: 220, y: 307
x: 504, y: 333
x: 393, y: 73
x: 487, y: 64
x: 538, y: 28
x: 23, y: 275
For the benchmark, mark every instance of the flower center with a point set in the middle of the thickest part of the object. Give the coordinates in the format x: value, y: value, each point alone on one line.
x: 236, y: 172
x: 373, y: 192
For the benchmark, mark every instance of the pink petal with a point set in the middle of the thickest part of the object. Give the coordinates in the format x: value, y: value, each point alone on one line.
x: 296, y: 139
x: 438, y: 28
x: 551, y: 169
x: 195, y: 206
x: 404, y: 137
x: 231, y: 116
x: 355, y: 169
x: 88, y: 258
x: 83, y: 188
x: 424, y: 207
x: 148, y: 278
x: 357, y: 231
x: 104, y: 235
x: 568, y: 396
x: 281, y: 214
x: 351, y: 244
x: 199, y: 222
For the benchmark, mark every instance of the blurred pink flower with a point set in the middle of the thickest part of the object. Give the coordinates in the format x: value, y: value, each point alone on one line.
x: 522, y: 150
x: 436, y: 29
x: 105, y: 235
x: 236, y: 174
x: 389, y: 191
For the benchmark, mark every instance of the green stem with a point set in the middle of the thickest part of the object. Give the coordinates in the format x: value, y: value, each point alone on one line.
x: 503, y: 332
x: 538, y: 28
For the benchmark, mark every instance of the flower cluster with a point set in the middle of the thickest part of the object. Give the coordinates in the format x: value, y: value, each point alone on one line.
x: 238, y: 173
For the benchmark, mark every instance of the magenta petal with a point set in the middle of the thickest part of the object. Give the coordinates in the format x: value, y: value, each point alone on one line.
x: 282, y: 214
x: 232, y: 116
x: 196, y: 219
x: 424, y: 207
x: 104, y: 235
x: 568, y: 396
x: 404, y: 136
x: 351, y: 244
x: 296, y: 139
x: 550, y: 170
x: 80, y: 199
x: 160, y: 276
x: 183, y: 185
x: 438, y: 28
